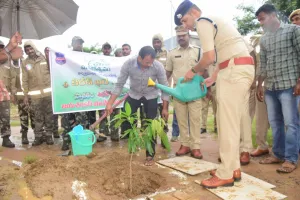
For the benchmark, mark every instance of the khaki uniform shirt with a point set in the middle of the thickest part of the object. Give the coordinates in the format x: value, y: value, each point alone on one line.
x: 181, y: 60
x: 36, y: 76
x: 161, y: 56
x: 8, y: 76
x: 228, y: 42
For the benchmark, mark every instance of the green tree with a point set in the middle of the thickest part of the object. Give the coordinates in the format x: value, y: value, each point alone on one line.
x: 247, y: 23
x: 96, y: 47
x: 285, y: 8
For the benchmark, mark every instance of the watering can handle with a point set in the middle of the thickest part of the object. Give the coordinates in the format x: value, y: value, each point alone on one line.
x: 86, y: 145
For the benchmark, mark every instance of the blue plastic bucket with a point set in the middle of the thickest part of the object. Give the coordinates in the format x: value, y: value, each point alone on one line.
x: 82, y: 143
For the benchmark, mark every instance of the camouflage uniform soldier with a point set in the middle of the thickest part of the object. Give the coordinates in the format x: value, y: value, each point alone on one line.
x: 36, y: 84
x: 85, y: 119
x: 55, y: 117
x: 25, y: 111
x: 103, y: 127
x: 7, y: 77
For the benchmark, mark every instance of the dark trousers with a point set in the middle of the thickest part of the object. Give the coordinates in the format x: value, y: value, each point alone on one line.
x: 150, y: 110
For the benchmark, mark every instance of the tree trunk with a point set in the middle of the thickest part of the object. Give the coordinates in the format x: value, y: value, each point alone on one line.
x: 130, y: 172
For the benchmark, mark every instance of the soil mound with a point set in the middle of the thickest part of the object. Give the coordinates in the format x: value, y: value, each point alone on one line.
x: 105, y: 176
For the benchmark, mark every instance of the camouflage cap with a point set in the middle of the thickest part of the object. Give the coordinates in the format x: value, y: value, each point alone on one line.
x: 75, y: 38
x: 106, y: 44
x: 2, y: 43
x: 295, y: 12
x: 180, y: 30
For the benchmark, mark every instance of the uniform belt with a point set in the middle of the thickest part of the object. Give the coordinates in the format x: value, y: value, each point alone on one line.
x: 36, y: 92
x: 237, y: 61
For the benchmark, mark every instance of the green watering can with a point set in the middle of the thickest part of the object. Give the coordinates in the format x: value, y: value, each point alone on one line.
x: 184, y: 91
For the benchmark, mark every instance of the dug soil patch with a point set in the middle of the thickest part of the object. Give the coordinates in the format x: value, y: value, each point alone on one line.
x: 104, y: 176
x: 9, y: 174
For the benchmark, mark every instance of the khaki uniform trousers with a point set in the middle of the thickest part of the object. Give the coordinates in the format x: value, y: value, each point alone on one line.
x: 233, y: 84
x: 262, y: 124
x: 188, y: 118
x: 205, y: 107
x: 246, y: 123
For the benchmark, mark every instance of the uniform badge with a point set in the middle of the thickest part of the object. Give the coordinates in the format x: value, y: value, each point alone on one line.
x: 179, y: 16
x: 60, y: 58
x: 28, y: 67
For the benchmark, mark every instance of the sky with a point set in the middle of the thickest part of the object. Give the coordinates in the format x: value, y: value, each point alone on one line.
x: 132, y: 21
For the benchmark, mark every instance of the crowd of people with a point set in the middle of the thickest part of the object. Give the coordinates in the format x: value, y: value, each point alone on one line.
x: 242, y: 83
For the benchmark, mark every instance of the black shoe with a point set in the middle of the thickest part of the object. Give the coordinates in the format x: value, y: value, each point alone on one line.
x: 114, y: 136
x: 49, y: 140
x: 37, y: 141
x: 66, y: 144
x: 24, y: 138
x: 56, y: 135
x: 101, y: 138
x: 7, y: 143
x: 105, y: 131
x: 203, y: 130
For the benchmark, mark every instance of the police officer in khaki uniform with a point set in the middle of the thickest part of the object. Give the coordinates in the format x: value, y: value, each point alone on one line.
x: 180, y: 60
x: 295, y: 17
x: 36, y: 83
x: 260, y: 109
x: 223, y: 44
x: 205, y: 106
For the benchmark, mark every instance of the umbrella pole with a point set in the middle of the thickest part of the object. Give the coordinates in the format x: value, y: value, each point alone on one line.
x: 18, y: 25
x: 18, y: 16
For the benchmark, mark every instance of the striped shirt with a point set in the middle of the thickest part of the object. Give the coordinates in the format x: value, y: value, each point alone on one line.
x: 4, y: 94
x: 138, y: 79
x: 279, y: 57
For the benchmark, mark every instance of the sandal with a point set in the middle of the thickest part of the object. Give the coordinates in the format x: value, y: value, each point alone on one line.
x: 149, y: 161
x: 287, y: 167
x: 271, y: 160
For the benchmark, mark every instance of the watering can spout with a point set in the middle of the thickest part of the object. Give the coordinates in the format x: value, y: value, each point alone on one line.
x: 151, y: 82
x: 164, y: 88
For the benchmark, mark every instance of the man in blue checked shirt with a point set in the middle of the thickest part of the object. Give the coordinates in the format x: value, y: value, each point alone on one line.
x: 279, y: 56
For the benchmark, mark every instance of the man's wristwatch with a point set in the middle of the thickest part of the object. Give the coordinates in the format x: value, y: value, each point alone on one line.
x: 193, y: 70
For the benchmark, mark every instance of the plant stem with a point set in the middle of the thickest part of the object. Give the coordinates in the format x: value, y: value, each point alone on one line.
x: 130, y: 173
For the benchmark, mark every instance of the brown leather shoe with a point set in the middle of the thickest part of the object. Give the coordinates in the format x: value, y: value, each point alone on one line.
x: 259, y: 152
x: 245, y: 158
x: 196, y: 153
x: 237, y: 174
x: 183, y: 151
x: 215, y: 182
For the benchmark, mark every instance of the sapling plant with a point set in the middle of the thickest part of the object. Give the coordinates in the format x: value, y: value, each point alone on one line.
x: 141, y: 137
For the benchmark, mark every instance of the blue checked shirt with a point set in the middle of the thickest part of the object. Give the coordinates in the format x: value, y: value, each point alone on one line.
x: 138, y: 79
x: 279, y: 57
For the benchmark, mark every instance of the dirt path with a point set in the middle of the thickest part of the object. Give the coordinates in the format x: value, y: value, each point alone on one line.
x: 106, y: 174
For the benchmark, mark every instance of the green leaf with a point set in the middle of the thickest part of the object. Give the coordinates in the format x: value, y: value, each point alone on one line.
x: 127, y: 109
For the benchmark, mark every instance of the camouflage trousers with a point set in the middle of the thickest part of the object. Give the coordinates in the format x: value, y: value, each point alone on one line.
x: 5, y: 118
x: 43, y: 113
x: 25, y: 112
x: 104, y: 127
x: 70, y: 120
x: 55, y: 125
